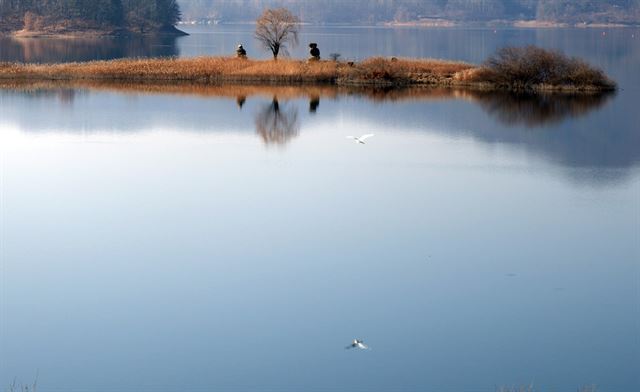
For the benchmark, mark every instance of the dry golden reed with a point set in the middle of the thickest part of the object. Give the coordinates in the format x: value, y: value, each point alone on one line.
x: 571, y: 75
x: 212, y: 70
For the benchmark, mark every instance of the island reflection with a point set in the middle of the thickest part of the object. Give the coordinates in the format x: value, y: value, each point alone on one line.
x: 510, y: 109
x: 537, y: 110
x: 279, y: 113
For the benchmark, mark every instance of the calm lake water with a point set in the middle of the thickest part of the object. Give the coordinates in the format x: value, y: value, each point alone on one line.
x: 213, y: 239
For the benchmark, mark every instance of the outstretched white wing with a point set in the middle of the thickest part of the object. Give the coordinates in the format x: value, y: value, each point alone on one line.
x: 362, y: 346
x: 367, y: 136
x: 351, y: 137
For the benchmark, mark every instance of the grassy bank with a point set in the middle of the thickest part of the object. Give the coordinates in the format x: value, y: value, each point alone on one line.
x: 552, y: 72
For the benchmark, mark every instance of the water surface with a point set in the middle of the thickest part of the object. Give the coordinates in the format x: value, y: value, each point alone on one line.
x: 233, y: 239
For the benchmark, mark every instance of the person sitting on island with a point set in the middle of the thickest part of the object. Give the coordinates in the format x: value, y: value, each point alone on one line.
x: 314, y: 52
x: 240, y: 52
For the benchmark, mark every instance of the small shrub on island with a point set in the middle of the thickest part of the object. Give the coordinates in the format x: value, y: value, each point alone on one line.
x: 534, y: 68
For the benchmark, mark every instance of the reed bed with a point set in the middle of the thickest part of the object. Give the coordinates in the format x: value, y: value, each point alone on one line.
x: 511, y: 73
x: 215, y: 70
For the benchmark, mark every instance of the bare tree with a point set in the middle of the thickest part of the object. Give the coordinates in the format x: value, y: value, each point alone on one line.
x: 276, y: 28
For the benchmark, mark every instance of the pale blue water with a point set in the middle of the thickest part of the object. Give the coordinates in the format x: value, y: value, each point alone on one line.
x: 158, y: 242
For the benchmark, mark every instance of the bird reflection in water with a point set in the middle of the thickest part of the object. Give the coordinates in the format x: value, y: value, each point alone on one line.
x: 277, y: 123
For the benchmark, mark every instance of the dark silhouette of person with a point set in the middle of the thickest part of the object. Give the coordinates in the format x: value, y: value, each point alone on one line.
x: 240, y: 52
x: 314, y: 51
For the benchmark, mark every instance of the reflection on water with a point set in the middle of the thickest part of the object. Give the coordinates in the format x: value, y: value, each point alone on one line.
x: 151, y: 241
x: 538, y: 110
x: 64, y: 95
x: 277, y: 115
x: 240, y: 100
x: 228, y: 283
x: 531, y: 110
x: 314, y: 102
x: 277, y: 123
x: 49, y: 50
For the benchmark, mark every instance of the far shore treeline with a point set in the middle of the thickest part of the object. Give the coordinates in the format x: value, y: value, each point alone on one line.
x: 427, y: 12
x: 102, y: 16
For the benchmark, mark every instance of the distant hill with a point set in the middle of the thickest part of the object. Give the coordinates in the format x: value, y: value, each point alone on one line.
x: 100, y: 16
x: 402, y: 11
x: 160, y: 16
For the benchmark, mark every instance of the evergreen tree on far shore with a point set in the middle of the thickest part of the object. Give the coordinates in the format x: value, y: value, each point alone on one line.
x: 135, y: 15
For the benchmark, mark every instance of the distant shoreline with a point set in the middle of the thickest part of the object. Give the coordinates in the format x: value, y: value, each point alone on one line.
x: 377, y: 71
x: 532, y: 24
x: 436, y: 23
x: 71, y: 34
x: 430, y: 23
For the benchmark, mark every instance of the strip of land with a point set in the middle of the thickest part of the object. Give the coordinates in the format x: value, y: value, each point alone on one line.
x: 383, y: 72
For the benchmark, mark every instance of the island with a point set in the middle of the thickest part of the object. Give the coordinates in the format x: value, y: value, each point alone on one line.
x: 521, y: 69
x: 66, y: 18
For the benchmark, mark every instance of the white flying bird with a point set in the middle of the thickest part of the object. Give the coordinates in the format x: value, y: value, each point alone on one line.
x: 357, y: 344
x: 361, y: 139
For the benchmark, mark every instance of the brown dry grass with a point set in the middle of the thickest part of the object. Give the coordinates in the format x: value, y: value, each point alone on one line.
x: 212, y: 70
x: 510, y: 69
x: 379, y: 70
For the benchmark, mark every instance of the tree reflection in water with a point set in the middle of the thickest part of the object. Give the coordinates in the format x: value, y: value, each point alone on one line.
x: 276, y: 123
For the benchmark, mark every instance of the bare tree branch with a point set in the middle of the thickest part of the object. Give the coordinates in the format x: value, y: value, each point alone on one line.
x: 276, y: 29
